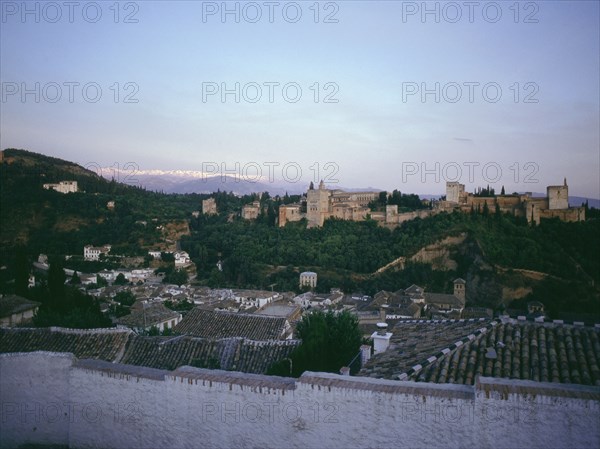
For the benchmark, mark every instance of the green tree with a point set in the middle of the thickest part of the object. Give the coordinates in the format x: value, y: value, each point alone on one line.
x: 100, y: 281
x: 21, y: 272
x: 383, y: 198
x: 56, y: 285
x: 147, y: 260
x: 497, y: 212
x: 74, y: 310
x: 329, y: 341
x: 125, y: 298
x: 486, y: 209
x: 121, y: 279
x: 178, y: 277
x: 75, y: 279
x: 167, y: 257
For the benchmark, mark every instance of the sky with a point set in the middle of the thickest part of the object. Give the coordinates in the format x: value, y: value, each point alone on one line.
x: 383, y: 94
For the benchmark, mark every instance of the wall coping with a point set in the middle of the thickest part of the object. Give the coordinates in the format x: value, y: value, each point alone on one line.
x: 483, y: 385
x: 534, y: 388
x: 329, y: 380
x: 232, y: 378
x: 63, y: 355
x: 67, y: 330
x: 117, y: 369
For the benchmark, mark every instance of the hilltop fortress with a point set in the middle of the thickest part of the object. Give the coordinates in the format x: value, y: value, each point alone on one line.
x: 323, y: 203
x: 555, y: 204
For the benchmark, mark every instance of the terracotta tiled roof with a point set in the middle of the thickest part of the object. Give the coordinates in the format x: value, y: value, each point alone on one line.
x: 85, y: 344
x: 15, y: 304
x: 413, y: 342
x: 528, y: 351
x: 477, y: 312
x: 124, y: 346
x: 150, y: 315
x: 414, y: 289
x: 258, y: 356
x: 213, y: 324
x: 443, y: 298
x: 236, y: 354
x: 449, y: 351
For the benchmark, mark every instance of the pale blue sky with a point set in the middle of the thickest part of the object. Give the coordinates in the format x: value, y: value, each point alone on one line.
x: 170, y: 52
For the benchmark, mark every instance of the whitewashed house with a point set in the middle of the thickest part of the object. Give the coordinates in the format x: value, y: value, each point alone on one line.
x: 182, y: 258
x: 93, y: 252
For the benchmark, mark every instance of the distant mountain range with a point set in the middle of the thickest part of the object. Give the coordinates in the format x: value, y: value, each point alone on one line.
x: 187, y: 181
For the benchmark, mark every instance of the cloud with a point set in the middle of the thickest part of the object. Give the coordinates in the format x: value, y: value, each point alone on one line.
x: 463, y: 139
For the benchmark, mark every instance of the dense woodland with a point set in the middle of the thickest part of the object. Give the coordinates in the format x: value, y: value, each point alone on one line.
x: 260, y: 254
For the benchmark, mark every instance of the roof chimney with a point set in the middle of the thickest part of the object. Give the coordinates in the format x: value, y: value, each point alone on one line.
x: 383, y: 312
x: 381, y: 338
x: 365, y: 354
x: 345, y: 371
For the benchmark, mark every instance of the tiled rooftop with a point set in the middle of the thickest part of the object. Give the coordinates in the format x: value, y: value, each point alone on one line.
x: 413, y: 342
x: 15, y: 304
x: 280, y: 310
x: 83, y: 344
x: 458, y: 351
x: 147, y: 315
x: 169, y: 353
x: 527, y: 351
x: 442, y: 298
x: 213, y: 324
x: 122, y: 346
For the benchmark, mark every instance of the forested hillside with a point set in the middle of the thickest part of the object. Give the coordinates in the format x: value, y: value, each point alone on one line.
x: 259, y: 253
x: 45, y: 221
x: 347, y: 254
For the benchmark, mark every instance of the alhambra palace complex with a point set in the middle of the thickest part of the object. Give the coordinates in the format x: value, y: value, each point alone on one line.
x: 323, y: 203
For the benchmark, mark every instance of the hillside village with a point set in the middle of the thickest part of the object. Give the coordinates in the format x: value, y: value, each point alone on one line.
x: 306, y: 225
x: 149, y: 277
x: 160, y: 319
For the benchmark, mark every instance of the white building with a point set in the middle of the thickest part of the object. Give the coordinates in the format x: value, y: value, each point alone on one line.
x: 308, y: 278
x: 108, y: 275
x: 155, y: 254
x: 254, y: 298
x: 181, y: 258
x: 303, y: 300
x: 15, y: 310
x: 140, y: 274
x: 93, y: 252
x: 63, y: 187
x: 145, y: 315
x: 87, y: 279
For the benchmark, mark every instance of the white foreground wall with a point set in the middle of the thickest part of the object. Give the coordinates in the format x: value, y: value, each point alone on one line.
x: 52, y: 398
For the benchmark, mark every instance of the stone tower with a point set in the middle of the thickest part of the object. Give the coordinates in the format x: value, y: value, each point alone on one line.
x: 460, y: 289
x: 558, y: 196
x: 454, y: 191
x: 317, y: 205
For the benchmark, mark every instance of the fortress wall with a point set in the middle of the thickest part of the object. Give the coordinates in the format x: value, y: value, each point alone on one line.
x: 572, y: 214
x: 136, y: 407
